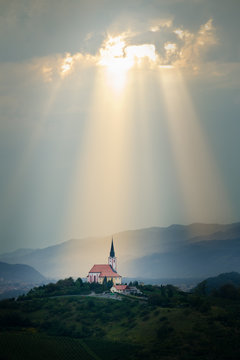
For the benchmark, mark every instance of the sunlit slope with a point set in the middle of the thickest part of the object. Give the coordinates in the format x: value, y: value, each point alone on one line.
x: 178, y: 250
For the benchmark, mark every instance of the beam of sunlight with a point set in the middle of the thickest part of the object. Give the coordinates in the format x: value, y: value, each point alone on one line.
x: 101, y: 173
x: 144, y: 174
x: 98, y: 202
x: 204, y: 195
x: 117, y: 182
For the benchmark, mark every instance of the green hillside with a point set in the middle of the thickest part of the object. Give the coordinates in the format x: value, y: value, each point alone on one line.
x: 213, y: 284
x: 28, y: 345
x: 170, y: 325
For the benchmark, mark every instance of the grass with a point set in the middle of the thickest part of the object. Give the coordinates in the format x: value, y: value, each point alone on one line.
x: 27, y: 346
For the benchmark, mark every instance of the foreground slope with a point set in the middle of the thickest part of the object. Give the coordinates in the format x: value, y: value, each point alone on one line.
x: 170, y: 325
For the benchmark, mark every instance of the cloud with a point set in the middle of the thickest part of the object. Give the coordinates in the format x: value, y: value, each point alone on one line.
x: 193, y: 47
x: 187, y: 51
x: 176, y: 47
x: 159, y: 24
x: 206, y: 34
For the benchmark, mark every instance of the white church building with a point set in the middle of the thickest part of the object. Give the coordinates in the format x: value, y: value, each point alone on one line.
x: 99, y: 272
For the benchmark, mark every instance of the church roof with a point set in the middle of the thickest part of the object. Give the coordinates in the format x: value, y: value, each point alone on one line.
x: 104, y: 270
x: 121, y: 287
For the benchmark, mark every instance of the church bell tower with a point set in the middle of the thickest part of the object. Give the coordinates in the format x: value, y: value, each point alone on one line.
x: 112, y: 260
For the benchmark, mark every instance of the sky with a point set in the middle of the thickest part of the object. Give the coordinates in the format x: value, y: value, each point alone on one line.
x: 116, y: 115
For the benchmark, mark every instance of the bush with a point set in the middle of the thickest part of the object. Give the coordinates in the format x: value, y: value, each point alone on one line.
x: 164, y: 331
x: 14, y: 320
x: 228, y: 291
x: 158, y: 300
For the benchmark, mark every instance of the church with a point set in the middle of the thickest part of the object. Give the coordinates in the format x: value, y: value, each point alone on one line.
x: 99, y: 272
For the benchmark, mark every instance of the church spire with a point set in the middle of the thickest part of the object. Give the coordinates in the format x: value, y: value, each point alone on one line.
x: 112, y: 260
x: 112, y: 252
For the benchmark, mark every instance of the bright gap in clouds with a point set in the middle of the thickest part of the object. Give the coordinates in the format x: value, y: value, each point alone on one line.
x: 118, y: 58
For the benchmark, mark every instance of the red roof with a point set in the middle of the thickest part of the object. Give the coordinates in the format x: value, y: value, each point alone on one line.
x: 104, y: 270
x: 121, y: 287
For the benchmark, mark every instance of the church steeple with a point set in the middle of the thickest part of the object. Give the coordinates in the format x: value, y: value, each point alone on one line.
x: 112, y: 252
x: 112, y: 260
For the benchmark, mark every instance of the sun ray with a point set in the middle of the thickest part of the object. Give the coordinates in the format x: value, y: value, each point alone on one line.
x: 101, y: 170
x: 203, y: 192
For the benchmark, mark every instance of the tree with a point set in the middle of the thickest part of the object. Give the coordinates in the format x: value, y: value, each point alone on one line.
x: 228, y: 291
x: 50, y: 288
x: 79, y: 282
x: 201, y: 288
x: 109, y: 284
x: 156, y: 299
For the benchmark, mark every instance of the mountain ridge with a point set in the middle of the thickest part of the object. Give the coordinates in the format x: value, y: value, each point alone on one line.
x: 19, y: 273
x: 136, y: 250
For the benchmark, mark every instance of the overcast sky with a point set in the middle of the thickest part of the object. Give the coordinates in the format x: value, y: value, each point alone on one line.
x: 117, y: 115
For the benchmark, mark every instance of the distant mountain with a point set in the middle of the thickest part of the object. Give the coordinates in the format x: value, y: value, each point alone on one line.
x: 19, y: 273
x: 216, y: 282
x: 195, y: 251
x: 18, y: 279
x: 199, y: 259
x: 18, y: 252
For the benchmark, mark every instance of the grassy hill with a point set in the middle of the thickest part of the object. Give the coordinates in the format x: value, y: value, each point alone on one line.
x: 171, y: 325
